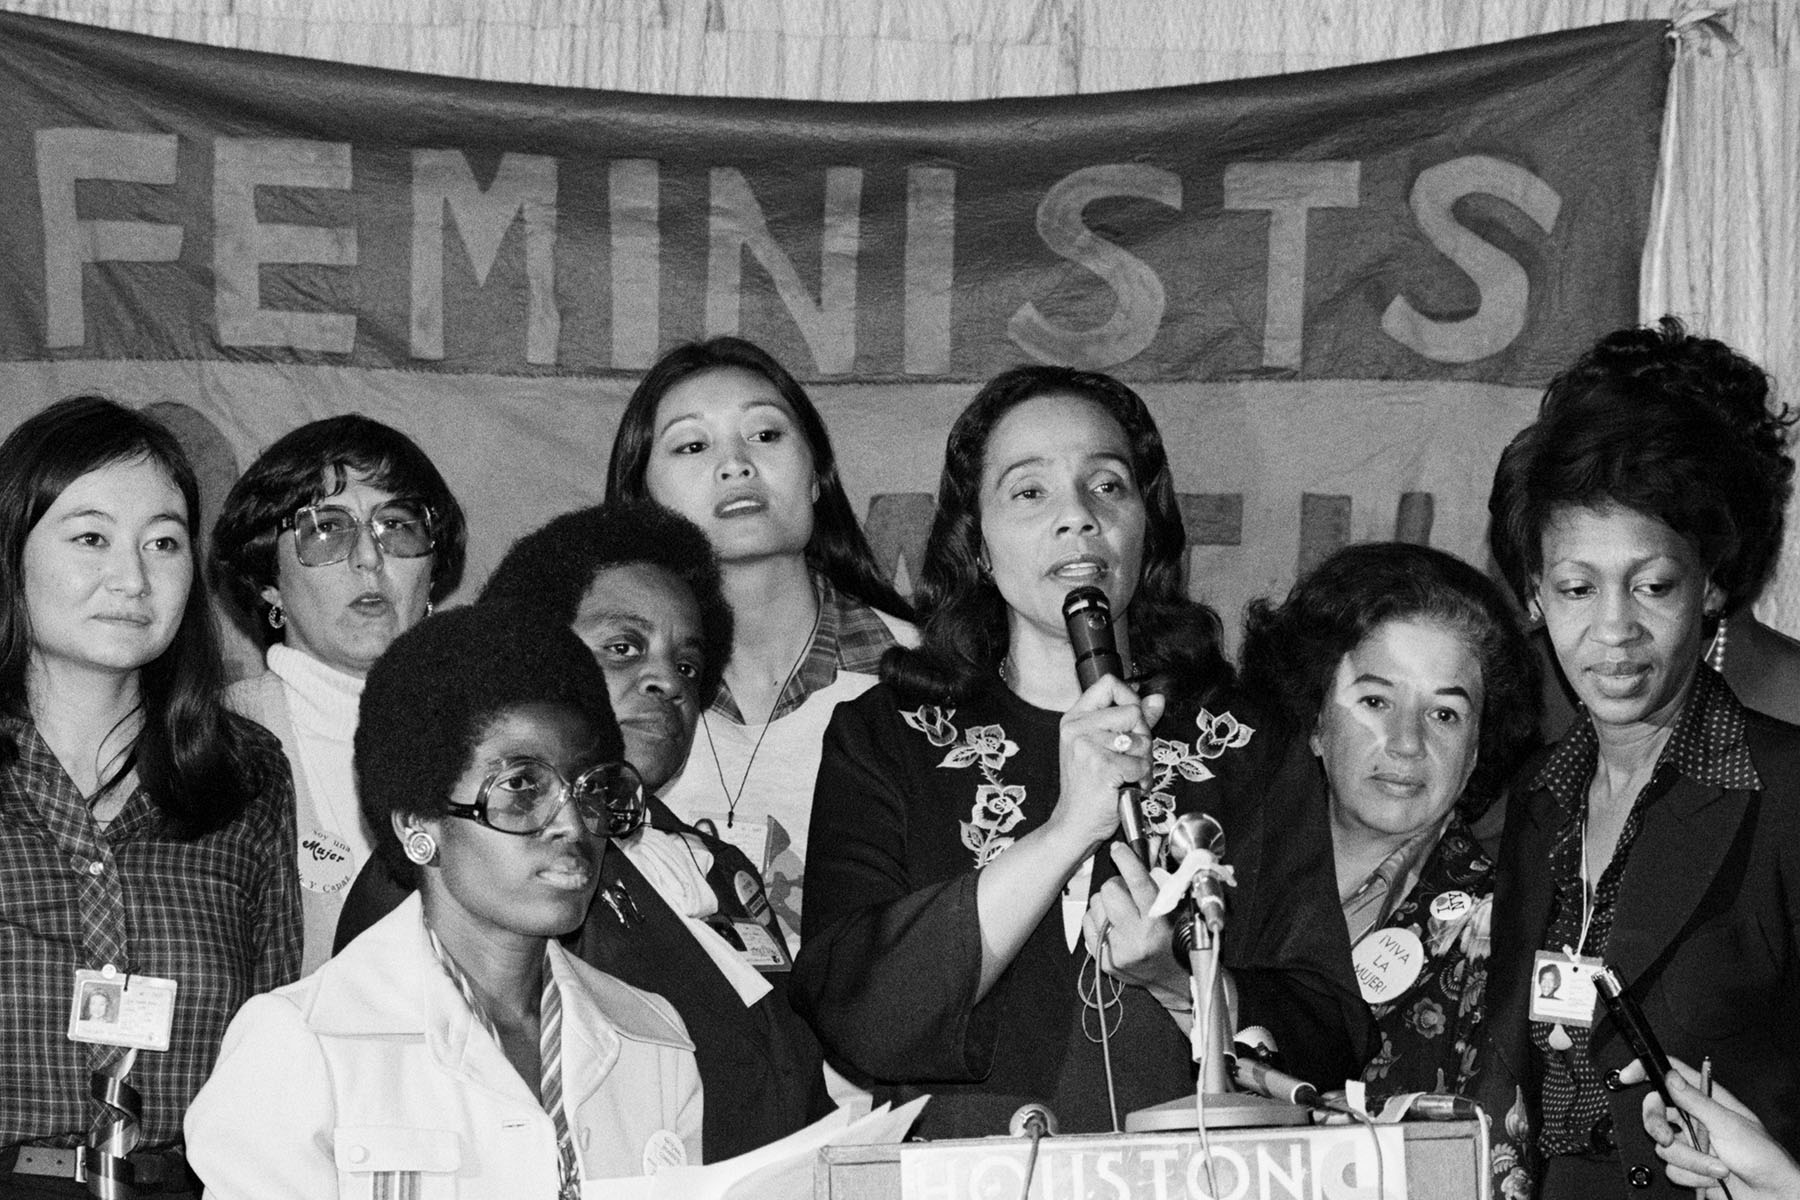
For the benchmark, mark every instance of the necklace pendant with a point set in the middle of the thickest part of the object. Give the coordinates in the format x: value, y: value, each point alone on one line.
x: 1559, y: 1038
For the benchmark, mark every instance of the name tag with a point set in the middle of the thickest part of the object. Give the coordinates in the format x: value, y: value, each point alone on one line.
x: 1562, y: 988
x: 760, y: 949
x: 108, y: 1008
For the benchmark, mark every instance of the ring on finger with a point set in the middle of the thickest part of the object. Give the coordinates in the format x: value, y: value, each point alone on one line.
x: 1123, y: 743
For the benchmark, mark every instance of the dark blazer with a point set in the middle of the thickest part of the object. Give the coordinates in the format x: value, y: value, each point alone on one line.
x: 1706, y: 937
x: 759, y: 1066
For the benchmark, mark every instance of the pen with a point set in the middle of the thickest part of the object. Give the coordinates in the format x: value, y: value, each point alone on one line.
x: 1702, y: 1142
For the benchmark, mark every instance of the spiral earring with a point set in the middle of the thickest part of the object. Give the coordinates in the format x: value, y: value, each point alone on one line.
x: 277, y: 616
x: 421, y: 848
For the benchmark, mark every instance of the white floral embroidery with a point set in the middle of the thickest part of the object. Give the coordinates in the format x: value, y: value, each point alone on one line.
x: 934, y: 723
x: 986, y: 744
x: 1218, y: 733
x: 999, y: 807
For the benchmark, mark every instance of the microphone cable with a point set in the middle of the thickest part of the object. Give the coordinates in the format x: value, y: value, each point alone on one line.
x: 1037, y: 1122
x: 1202, y: 1050
x: 1112, y: 1092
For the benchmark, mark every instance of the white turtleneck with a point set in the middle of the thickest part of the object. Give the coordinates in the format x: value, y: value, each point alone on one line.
x: 313, y: 709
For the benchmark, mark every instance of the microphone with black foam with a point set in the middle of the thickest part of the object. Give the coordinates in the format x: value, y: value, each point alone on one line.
x: 1088, y: 615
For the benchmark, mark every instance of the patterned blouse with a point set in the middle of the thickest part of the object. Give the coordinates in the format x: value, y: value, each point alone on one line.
x: 1429, y: 1031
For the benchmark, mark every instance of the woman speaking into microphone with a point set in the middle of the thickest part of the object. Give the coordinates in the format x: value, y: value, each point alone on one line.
x: 963, y: 802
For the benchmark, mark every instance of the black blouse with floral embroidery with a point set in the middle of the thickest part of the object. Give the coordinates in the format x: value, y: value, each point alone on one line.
x: 911, y: 802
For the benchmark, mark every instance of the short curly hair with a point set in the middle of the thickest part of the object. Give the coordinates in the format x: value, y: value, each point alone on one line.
x: 549, y: 570
x: 1292, y: 650
x: 291, y: 474
x: 429, y: 699
x: 1667, y: 424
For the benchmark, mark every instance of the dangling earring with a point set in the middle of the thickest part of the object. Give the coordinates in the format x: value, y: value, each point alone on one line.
x: 420, y: 847
x: 430, y: 608
x: 277, y: 617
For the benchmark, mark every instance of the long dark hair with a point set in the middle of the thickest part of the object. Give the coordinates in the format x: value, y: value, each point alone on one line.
x: 199, y: 767
x: 1173, y: 637
x: 1292, y: 649
x: 837, y: 550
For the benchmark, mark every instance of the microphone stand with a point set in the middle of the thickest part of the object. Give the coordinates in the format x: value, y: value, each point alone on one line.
x: 1215, y: 1101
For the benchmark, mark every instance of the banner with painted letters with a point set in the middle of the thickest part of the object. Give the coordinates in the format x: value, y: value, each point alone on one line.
x: 1340, y: 291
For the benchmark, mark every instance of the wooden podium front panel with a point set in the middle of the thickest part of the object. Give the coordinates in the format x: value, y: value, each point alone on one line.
x: 1443, y: 1161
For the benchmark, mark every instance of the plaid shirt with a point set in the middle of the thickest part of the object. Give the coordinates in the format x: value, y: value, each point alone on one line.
x: 1707, y: 746
x: 851, y: 637
x: 220, y: 915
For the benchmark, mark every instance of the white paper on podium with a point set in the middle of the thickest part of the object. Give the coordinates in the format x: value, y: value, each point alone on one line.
x: 777, y: 1171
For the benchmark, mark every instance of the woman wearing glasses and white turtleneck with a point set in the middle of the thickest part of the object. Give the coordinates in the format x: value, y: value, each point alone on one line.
x: 336, y: 540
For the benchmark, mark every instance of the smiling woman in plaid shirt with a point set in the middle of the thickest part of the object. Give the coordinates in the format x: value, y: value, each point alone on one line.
x: 145, y: 832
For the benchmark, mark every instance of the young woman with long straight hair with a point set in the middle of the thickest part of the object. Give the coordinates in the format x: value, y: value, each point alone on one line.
x: 146, y: 834
x: 726, y: 436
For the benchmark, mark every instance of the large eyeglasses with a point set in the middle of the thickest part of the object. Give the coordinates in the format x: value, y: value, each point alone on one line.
x: 327, y: 533
x: 523, y: 795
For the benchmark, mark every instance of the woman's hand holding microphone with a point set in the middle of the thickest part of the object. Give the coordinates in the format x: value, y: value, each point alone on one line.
x: 1105, y: 745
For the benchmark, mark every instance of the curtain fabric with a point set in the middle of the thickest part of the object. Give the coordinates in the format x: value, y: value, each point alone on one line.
x: 1725, y: 254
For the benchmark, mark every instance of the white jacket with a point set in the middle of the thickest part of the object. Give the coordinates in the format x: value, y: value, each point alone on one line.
x: 374, y: 1065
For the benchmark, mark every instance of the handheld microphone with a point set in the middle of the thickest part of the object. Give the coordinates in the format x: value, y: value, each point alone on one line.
x: 1630, y: 1019
x: 1088, y: 616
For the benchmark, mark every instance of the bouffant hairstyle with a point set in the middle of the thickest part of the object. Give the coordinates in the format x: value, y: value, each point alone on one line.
x: 549, y: 570
x: 432, y: 696
x: 198, y: 764
x: 838, y: 549
x: 1292, y: 649
x: 965, y: 632
x: 1667, y: 424
x: 309, y: 465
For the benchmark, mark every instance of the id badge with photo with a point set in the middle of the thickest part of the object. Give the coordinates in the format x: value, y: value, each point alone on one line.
x: 758, y: 945
x: 1562, y: 988
x: 109, y: 1008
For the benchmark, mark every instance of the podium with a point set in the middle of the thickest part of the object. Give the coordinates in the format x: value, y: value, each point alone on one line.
x: 1418, y: 1161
